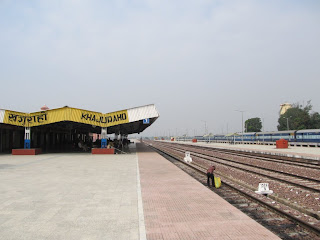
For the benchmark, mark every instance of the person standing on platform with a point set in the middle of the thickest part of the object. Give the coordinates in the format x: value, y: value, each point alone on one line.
x: 210, y: 175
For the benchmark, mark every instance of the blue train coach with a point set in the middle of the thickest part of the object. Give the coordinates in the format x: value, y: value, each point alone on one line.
x: 274, y: 136
x: 308, y: 135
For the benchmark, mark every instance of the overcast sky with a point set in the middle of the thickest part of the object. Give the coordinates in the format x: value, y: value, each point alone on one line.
x: 195, y: 60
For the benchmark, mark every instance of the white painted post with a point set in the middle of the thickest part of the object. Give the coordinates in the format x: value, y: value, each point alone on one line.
x: 264, y: 189
x: 187, y: 157
x: 104, y: 137
x: 27, y: 136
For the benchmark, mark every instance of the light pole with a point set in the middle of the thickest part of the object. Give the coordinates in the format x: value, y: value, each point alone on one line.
x: 263, y: 128
x: 185, y: 135
x: 205, y: 126
x: 242, y: 121
x: 287, y: 122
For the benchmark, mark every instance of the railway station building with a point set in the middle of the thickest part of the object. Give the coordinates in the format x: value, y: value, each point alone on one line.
x: 61, y: 129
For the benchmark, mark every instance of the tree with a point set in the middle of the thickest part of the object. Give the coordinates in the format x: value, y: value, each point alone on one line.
x: 299, y: 117
x: 315, y: 120
x: 253, y: 125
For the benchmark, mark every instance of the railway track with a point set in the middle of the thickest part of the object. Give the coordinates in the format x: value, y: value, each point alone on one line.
x: 293, y: 179
x: 299, y: 162
x: 292, y: 161
x: 308, y: 163
x: 256, y: 206
x: 303, y: 182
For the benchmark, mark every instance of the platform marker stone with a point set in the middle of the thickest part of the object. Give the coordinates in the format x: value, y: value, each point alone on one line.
x: 264, y: 189
x: 187, y: 158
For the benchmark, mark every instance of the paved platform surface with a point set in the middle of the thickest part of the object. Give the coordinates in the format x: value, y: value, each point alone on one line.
x: 82, y: 196
x: 70, y: 196
x: 178, y: 207
x: 306, y: 152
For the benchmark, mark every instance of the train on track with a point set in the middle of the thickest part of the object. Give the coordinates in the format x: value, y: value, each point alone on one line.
x: 308, y: 135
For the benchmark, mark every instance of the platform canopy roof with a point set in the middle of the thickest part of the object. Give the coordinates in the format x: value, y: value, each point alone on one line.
x: 232, y: 134
x: 129, y: 121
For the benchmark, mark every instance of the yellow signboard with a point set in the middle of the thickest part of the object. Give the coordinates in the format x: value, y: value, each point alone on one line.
x: 65, y: 114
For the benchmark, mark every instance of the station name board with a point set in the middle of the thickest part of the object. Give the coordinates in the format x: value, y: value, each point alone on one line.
x: 65, y: 114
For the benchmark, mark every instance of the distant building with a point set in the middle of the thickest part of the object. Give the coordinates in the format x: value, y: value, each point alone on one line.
x: 284, y: 107
x: 44, y: 108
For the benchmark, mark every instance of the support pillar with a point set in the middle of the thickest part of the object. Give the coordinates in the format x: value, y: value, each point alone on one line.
x: 48, y: 141
x: 103, y: 137
x: 27, y: 150
x: 103, y: 149
x: 1, y: 141
x: 27, y: 136
x: 10, y: 139
x: 34, y: 139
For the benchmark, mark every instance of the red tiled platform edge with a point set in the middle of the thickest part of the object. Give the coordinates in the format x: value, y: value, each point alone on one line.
x: 22, y: 151
x: 102, y: 151
x: 176, y: 206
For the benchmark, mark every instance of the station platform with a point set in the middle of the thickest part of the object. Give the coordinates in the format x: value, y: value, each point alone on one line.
x: 298, y: 152
x: 139, y: 195
x: 176, y: 206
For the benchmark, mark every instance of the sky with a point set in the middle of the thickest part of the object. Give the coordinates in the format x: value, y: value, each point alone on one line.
x: 197, y: 61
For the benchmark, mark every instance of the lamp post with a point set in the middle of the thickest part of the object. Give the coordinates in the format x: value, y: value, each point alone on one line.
x: 287, y: 122
x: 263, y: 128
x: 184, y: 135
x: 205, y: 126
x: 242, y: 121
x: 210, y: 135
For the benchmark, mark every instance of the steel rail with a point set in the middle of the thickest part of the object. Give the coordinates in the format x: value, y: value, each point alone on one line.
x: 294, y: 161
x: 263, y: 158
x: 262, y: 174
x: 264, y: 168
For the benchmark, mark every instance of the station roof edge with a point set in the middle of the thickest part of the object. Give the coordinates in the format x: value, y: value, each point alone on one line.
x: 82, y: 109
x: 127, y: 120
